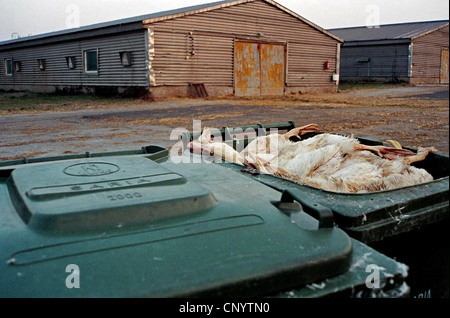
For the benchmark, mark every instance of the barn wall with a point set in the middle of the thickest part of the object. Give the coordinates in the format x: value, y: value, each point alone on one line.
x: 387, y: 62
x: 57, y: 74
x: 211, y: 36
x: 426, y: 56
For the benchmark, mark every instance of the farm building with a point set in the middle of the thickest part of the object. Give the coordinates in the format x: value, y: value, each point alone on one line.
x: 416, y: 53
x: 240, y: 47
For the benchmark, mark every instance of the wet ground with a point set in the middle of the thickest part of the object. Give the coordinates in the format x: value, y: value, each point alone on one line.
x: 415, y: 116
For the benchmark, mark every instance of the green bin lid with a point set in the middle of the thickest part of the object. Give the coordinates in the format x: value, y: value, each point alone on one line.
x: 93, y: 193
x: 135, y: 228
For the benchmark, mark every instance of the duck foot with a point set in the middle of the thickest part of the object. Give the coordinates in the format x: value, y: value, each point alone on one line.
x: 385, y: 152
x: 296, y: 133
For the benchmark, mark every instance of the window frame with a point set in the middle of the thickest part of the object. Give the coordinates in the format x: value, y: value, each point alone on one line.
x: 85, y: 62
x: 17, y: 66
x: 125, y: 62
x: 11, y: 66
x: 71, y: 59
x: 41, y: 64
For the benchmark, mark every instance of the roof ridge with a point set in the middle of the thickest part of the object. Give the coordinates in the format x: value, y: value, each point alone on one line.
x: 121, y: 21
x: 397, y: 31
x: 161, y: 15
x: 389, y: 24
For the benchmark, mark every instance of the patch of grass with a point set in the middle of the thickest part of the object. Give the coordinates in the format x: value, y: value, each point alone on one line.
x: 13, y: 102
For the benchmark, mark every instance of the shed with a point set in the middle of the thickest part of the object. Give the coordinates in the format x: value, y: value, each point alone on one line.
x: 415, y: 52
x: 241, y: 47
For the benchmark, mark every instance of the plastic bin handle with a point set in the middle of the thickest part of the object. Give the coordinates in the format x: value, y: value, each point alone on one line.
x: 318, y: 211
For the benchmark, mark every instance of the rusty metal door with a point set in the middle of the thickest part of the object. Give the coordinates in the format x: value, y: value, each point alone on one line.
x: 259, y: 69
x: 247, y: 69
x: 272, y: 69
x: 444, y: 66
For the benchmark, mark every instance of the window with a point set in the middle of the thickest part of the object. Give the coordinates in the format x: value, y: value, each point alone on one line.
x: 41, y: 64
x: 91, y: 61
x: 125, y: 58
x: 8, y: 67
x: 70, y: 60
x: 17, y: 66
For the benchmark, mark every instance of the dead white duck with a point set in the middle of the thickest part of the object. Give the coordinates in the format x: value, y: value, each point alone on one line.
x: 258, y: 152
x: 342, y: 164
x: 205, y: 146
x: 326, y: 161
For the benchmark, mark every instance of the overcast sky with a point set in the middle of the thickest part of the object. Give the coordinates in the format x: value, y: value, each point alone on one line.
x: 32, y: 17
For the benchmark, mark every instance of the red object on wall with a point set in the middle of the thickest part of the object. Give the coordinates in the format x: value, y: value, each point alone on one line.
x: 327, y: 65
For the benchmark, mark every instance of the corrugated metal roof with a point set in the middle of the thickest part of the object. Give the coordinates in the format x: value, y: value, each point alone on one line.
x: 136, y: 22
x: 131, y: 20
x: 400, y: 31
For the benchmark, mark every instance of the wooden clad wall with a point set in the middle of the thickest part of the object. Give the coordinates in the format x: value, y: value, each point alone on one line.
x: 110, y: 73
x: 213, y: 36
x: 426, y: 56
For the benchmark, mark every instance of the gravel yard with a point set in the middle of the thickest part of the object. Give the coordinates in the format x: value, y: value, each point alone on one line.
x: 34, y: 126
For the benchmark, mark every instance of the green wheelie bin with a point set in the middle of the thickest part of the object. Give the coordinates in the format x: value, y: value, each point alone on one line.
x: 135, y: 224
x: 407, y: 224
